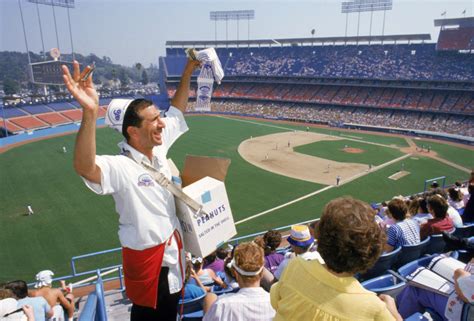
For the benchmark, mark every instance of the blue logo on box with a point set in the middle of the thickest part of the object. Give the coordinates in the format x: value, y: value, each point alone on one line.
x: 206, y: 197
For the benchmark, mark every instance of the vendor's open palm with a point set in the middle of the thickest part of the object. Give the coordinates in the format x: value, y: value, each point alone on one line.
x: 83, y: 91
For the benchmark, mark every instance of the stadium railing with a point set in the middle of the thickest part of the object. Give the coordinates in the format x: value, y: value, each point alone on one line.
x: 94, y: 309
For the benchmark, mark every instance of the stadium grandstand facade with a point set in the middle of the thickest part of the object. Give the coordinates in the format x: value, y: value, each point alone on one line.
x: 400, y: 83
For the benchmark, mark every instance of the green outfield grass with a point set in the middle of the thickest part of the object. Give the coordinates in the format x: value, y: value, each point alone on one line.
x: 334, y: 150
x: 70, y: 220
x: 455, y: 154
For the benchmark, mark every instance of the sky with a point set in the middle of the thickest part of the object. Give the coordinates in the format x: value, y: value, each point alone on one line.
x: 131, y: 31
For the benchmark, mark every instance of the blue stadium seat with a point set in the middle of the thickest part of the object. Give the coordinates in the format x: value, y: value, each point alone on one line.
x: 464, y: 231
x: 436, y: 244
x: 410, y: 253
x: 385, y: 284
x: 417, y: 317
x: 217, y: 290
x: 412, y: 266
x: 467, y: 312
x: 192, y: 309
x: 384, y: 263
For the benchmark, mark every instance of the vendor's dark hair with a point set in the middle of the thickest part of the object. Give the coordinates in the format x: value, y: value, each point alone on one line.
x: 131, y: 117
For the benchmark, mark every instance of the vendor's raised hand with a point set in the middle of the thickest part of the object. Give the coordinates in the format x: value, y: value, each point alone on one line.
x: 191, y: 65
x: 82, y: 90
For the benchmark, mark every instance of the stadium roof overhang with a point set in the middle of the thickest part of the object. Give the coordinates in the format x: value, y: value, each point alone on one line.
x: 300, y: 41
x: 462, y: 22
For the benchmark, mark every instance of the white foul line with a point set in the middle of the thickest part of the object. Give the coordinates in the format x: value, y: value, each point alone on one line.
x: 286, y: 204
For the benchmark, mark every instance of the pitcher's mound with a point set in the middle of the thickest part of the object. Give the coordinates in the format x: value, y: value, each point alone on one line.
x: 352, y: 150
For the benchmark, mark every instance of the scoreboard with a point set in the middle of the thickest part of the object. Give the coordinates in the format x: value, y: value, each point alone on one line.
x: 48, y: 72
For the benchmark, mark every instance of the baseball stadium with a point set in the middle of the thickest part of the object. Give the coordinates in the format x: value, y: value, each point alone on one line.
x: 302, y: 120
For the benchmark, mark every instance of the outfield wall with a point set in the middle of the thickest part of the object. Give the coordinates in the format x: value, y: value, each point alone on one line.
x: 465, y: 140
x: 42, y: 133
x: 70, y: 128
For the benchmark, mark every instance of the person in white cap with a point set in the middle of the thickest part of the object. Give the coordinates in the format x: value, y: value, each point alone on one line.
x: 251, y: 302
x: 153, y: 259
x: 55, y: 297
x: 300, y: 240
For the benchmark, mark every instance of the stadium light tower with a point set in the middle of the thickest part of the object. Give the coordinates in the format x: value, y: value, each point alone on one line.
x: 56, y: 3
x: 365, y: 6
x: 232, y: 15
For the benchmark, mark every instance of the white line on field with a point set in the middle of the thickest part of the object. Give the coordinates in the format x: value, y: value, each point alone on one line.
x: 286, y: 204
x: 345, y: 181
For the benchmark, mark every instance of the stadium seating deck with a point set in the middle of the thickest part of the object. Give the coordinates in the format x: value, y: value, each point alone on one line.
x: 29, y: 122
x: 61, y: 106
x: 54, y: 118
x: 12, y: 128
x: 74, y: 115
x: 36, y: 109
x: 12, y: 112
x: 375, y: 61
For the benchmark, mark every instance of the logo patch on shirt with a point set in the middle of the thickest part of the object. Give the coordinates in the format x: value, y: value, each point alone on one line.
x: 146, y: 180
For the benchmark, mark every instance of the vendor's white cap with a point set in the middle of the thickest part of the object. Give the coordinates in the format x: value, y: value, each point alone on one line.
x: 116, y: 113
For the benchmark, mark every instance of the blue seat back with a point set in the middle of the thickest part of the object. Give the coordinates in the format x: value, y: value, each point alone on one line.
x: 464, y: 231
x: 410, y: 253
x: 412, y: 266
x: 467, y: 312
x: 436, y: 244
x: 384, y: 263
x: 385, y: 284
x: 193, y: 305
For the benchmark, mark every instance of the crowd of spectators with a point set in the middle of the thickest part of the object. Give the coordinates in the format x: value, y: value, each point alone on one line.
x: 390, y: 61
x: 374, y: 61
x: 406, y: 98
x: 18, y: 302
x: 450, y: 124
x: 316, y: 276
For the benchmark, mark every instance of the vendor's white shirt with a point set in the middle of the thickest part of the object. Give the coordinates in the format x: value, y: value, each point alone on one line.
x: 147, y: 213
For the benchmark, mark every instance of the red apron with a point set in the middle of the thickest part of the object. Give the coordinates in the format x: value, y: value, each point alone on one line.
x: 142, y: 271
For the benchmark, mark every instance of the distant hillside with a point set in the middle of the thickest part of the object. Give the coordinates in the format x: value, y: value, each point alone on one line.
x: 14, y: 66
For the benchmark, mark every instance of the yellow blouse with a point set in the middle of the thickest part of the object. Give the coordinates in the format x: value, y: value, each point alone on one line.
x: 309, y: 292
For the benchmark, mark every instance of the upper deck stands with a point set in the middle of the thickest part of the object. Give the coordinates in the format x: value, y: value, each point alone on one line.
x: 61, y: 106
x: 54, y: 118
x: 74, y: 115
x: 387, y: 62
x: 12, y: 128
x: 36, y: 109
x: 29, y: 122
x: 12, y: 112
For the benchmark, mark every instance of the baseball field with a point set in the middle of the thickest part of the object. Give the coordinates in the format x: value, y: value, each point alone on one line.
x: 280, y: 174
